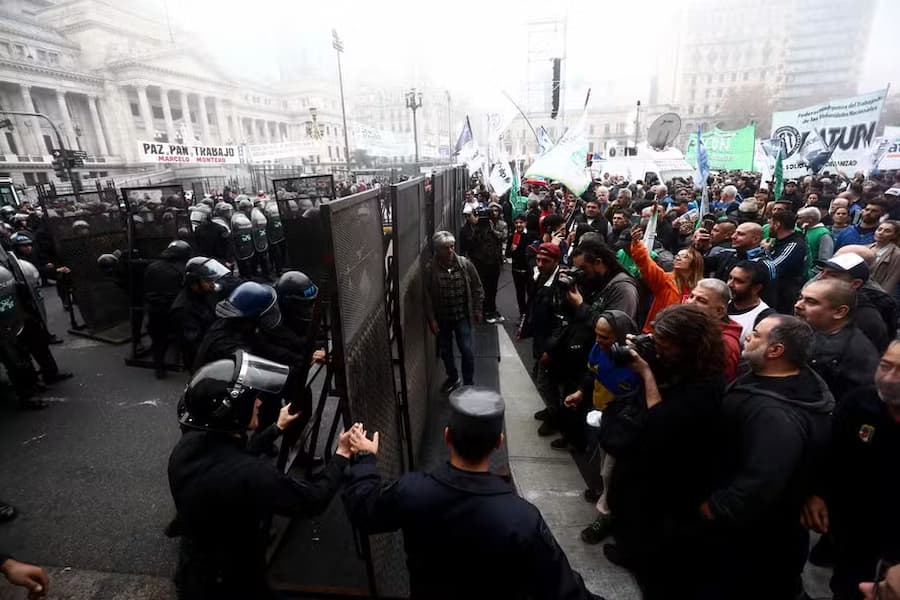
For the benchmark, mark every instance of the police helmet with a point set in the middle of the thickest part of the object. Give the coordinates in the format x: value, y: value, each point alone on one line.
x: 7, y: 212
x: 81, y: 227
x: 224, y: 210
x: 179, y: 249
x: 251, y: 300
x: 207, y: 201
x: 296, y: 287
x: 221, y: 394
x: 201, y: 268
x: 108, y: 263
x: 244, y: 203
x: 19, y: 239
x: 32, y: 275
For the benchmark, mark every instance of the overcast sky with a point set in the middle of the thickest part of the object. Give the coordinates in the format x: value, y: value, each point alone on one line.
x: 471, y: 47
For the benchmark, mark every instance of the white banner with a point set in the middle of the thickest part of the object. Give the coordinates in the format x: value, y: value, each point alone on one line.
x: 847, y: 122
x: 501, y: 178
x: 259, y: 153
x: 153, y: 152
x: 891, y: 160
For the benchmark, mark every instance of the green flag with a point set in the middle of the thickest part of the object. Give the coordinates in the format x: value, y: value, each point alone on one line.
x: 779, y: 178
x: 727, y: 150
x: 519, y: 203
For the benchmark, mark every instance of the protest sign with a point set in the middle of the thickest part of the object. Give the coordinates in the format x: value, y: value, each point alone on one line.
x: 727, y: 150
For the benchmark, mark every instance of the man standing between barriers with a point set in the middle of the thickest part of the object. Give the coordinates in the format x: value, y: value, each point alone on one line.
x: 467, y: 533
x: 453, y: 299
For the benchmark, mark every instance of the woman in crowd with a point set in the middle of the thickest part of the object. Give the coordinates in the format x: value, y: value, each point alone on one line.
x: 605, y: 382
x: 663, y: 450
x: 667, y: 288
x: 886, y: 270
x: 840, y: 220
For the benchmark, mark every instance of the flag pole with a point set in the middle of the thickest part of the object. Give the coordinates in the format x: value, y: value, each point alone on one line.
x: 530, y: 126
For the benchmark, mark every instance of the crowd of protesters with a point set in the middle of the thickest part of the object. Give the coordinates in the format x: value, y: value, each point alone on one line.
x: 765, y: 401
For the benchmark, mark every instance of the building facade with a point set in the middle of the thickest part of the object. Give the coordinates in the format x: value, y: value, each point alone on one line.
x: 110, y: 75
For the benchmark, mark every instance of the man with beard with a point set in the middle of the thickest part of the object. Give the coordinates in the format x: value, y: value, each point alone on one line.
x: 774, y: 428
x: 863, y: 233
x: 747, y: 281
x: 859, y: 492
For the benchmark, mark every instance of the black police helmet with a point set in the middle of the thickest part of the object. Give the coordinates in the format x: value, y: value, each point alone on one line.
x: 244, y: 204
x: 20, y: 239
x: 201, y: 268
x: 177, y: 250
x: 251, y: 300
x: 221, y: 394
x: 296, y: 287
x: 108, y: 263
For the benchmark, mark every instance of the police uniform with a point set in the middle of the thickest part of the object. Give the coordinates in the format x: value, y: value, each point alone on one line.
x: 226, y: 495
x: 467, y: 534
x: 162, y: 283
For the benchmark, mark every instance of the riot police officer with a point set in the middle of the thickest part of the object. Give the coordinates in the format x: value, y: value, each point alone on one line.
x: 128, y: 274
x: 18, y: 367
x: 162, y: 283
x: 222, y: 250
x: 226, y: 496
x: 34, y: 339
x: 242, y: 241
x: 466, y: 532
x: 250, y: 310
x: 193, y: 310
x: 259, y: 233
x: 275, y: 233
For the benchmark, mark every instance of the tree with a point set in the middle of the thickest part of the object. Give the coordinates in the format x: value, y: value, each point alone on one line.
x: 744, y: 105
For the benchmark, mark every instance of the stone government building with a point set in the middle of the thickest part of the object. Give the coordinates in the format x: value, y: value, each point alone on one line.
x: 110, y: 77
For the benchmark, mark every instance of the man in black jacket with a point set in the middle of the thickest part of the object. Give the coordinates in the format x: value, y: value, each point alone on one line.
x: 858, y: 494
x: 851, y: 268
x: 786, y: 259
x: 522, y: 255
x: 466, y: 532
x: 840, y: 353
x: 775, y: 425
x: 745, y: 245
x: 225, y: 495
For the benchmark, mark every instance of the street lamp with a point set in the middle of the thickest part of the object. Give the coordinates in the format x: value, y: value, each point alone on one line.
x: 414, y: 102
x: 338, y: 46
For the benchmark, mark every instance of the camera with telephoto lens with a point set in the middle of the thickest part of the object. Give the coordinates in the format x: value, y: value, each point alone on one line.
x: 642, y: 344
x: 569, y: 278
x: 483, y: 213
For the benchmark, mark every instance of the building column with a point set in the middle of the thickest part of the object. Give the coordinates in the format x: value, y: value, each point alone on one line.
x: 98, y: 127
x: 18, y: 126
x: 186, y: 115
x: 224, y: 133
x: 204, y: 119
x: 68, y: 131
x: 146, y: 112
x: 32, y: 123
x: 237, y: 128
x: 167, y: 114
x: 267, y: 131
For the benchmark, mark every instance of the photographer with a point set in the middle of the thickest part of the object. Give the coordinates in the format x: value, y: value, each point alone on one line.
x: 544, y: 323
x: 663, y: 449
x: 606, y: 381
x: 486, y: 253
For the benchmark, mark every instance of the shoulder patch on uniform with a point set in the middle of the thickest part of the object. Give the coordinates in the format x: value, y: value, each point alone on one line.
x: 866, y: 432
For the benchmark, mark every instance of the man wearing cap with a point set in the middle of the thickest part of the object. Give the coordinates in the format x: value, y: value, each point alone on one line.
x: 453, y: 299
x: 467, y: 533
x: 851, y: 268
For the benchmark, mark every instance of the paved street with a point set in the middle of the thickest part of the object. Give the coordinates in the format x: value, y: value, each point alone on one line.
x: 88, y: 474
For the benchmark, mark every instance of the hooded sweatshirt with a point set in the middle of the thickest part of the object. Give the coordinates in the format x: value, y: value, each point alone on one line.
x: 773, y: 432
x: 731, y: 336
x: 605, y: 380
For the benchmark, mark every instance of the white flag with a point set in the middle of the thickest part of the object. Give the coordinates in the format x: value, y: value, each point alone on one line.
x: 566, y: 161
x: 501, y: 178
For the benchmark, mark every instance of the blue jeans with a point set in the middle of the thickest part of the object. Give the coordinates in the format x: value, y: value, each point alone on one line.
x: 462, y: 329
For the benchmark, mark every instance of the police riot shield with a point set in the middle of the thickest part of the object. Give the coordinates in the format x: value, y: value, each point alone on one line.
x: 33, y: 279
x: 199, y: 214
x: 77, y: 232
x: 242, y: 236
x: 259, y: 230
x: 298, y: 199
x: 11, y: 321
x: 275, y: 228
x: 157, y: 216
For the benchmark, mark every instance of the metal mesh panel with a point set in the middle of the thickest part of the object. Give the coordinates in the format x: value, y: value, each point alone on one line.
x: 353, y: 225
x: 80, y: 232
x: 156, y: 213
x: 304, y: 237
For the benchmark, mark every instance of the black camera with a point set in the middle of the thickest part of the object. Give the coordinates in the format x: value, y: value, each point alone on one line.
x: 643, y: 344
x: 570, y: 278
x: 483, y: 213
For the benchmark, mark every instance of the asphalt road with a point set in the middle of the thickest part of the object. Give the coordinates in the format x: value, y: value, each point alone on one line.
x: 88, y: 474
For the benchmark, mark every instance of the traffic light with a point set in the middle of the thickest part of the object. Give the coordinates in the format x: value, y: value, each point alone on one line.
x: 59, y: 164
